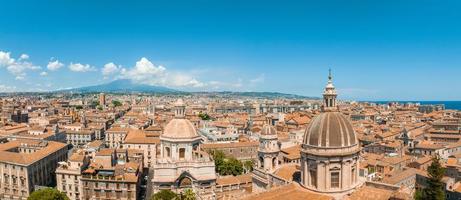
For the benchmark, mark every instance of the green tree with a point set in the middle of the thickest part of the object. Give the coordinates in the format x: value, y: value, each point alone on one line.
x: 188, y: 195
x: 419, y: 194
x: 116, y: 103
x: 48, y: 194
x: 165, y: 195
x: 248, y: 165
x: 435, y: 188
x: 226, y: 165
x: 218, y: 157
x: 204, y: 116
x: 78, y: 107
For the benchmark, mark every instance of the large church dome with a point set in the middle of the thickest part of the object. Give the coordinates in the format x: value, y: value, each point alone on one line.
x: 330, y: 130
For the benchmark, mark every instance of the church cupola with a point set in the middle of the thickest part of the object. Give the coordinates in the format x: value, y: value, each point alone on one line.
x: 179, y: 109
x: 329, y: 95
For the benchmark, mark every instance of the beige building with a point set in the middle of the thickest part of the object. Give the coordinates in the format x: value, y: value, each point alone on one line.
x: 181, y: 164
x: 115, y: 136
x: 110, y: 174
x: 25, y: 164
x: 80, y: 138
x: 139, y: 140
x: 239, y: 150
x: 68, y: 175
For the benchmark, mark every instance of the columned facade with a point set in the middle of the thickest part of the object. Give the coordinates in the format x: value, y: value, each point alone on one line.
x: 332, y: 174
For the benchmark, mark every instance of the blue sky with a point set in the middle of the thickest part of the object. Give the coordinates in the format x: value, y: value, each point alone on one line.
x: 378, y: 50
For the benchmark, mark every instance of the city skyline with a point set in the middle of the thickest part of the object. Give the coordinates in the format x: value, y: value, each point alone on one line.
x: 394, y: 51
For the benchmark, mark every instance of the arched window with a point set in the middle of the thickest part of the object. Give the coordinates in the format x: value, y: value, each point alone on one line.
x: 185, y: 182
x: 274, y: 162
x: 182, y: 153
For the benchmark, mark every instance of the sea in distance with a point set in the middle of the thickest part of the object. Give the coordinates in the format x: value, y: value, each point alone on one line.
x: 450, y: 105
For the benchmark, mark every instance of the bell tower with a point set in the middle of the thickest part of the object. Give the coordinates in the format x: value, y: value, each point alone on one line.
x: 329, y: 95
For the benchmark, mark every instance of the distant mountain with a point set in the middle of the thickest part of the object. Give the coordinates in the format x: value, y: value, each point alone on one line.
x: 270, y: 95
x: 122, y: 85
x: 128, y: 86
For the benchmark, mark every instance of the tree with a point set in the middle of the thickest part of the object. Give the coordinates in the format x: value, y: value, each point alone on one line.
x: 165, y: 195
x: 78, y: 107
x: 248, y: 165
x: 48, y: 194
x: 116, y: 103
x: 218, y: 157
x: 419, y: 194
x: 435, y: 188
x: 204, y: 116
x: 225, y: 165
x: 188, y: 195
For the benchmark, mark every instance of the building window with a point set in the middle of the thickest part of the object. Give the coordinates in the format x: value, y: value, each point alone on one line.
x: 167, y: 150
x: 353, y: 175
x: 334, y: 179
x: 182, y: 153
x: 313, y: 176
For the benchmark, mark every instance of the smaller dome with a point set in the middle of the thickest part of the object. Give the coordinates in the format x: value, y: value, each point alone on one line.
x: 268, y: 130
x: 180, y: 129
x: 179, y: 102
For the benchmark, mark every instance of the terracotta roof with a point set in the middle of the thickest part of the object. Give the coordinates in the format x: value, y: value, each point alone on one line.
x: 292, y: 192
x: 368, y: 192
x: 229, y: 145
x: 287, y: 172
x: 28, y: 158
x: 232, y: 180
x: 397, y: 177
x: 139, y: 137
x: 293, y: 152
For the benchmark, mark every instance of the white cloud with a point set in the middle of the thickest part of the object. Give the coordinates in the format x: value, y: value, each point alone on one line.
x: 110, y: 69
x: 77, y: 67
x: 54, y: 65
x: 23, y: 57
x: 43, y: 73
x: 183, y: 80
x: 258, y: 79
x: 20, y: 77
x: 146, y: 72
x: 19, y: 67
x: 216, y: 85
x: 5, y: 59
x: 5, y: 88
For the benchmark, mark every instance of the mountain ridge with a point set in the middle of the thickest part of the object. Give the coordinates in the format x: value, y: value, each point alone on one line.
x: 128, y: 86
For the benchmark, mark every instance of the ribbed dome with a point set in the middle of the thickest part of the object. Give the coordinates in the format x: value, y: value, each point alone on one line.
x: 268, y: 130
x: 179, y: 128
x: 330, y: 129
